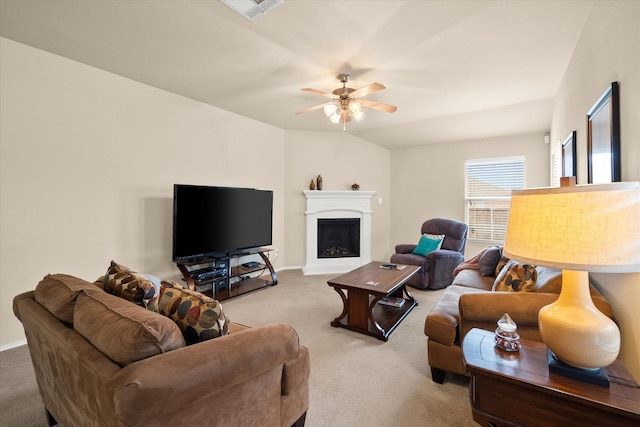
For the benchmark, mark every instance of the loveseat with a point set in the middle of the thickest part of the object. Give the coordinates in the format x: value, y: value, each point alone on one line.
x: 102, y: 360
x: 472, y: 301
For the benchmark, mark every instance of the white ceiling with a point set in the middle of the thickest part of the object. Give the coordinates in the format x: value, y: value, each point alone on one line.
x: 457, y: 70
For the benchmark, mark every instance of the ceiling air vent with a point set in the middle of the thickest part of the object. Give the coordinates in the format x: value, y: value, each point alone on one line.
x: 252, y: 9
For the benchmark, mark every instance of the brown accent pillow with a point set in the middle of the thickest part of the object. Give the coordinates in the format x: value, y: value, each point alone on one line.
x: 58, y: 293
x: 516, y: 277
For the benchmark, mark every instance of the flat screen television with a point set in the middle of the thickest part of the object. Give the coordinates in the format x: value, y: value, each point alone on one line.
x: 210, y: 222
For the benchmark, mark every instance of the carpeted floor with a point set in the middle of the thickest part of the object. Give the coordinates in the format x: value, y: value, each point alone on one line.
x: 356, y: 380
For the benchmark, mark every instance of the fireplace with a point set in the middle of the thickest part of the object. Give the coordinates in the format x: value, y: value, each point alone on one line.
x: 338, y: 230
x: 338, y: 237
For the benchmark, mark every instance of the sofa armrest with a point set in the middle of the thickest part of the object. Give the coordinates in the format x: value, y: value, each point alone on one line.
x: 441, y: 324
x: 159, y: 387
x: 405, y: 248
x: 16, y: 302
x: 296, y: 371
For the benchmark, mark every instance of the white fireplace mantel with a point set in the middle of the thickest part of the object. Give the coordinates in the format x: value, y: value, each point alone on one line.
x: 323, y: 204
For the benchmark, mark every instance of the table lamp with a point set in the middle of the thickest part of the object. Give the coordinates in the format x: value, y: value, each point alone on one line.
x: 580, y: 229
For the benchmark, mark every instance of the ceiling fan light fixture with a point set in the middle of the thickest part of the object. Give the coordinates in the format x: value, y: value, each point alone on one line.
x: 330, y: 109
x: 345, y: 104
x: 355, y: 107
x: 335, y: 118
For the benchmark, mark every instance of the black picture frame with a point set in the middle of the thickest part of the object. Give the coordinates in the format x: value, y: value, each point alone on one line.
x: 603, y: 137
x: 569, y: 156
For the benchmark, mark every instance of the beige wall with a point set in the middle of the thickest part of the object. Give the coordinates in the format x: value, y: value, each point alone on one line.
x: 342, y: 160
x: 428, y: 181
x: 88, y: 161
x: 608, y: 51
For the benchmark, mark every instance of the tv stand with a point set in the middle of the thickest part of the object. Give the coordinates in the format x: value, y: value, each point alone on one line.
x: 216, y: 277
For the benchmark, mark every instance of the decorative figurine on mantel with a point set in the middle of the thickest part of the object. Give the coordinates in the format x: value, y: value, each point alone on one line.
x: 319, y: 182
x: 312, y: 185
x: 355, y: 186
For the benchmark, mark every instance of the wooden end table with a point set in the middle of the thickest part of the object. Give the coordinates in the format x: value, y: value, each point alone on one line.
x: 516, y: 389
x: 364, y: 287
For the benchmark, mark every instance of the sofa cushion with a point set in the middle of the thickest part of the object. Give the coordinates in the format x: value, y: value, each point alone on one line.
x: 473, y: 279
x: 139, y: 288
x: 199, y: 317
x: 58, y: 294
x: 428, y: 243
x: 123, y: 331
x: 516, y: 277
x: 489, y: 260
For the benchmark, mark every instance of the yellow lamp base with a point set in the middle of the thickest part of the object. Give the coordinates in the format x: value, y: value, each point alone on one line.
x: 575, y: 330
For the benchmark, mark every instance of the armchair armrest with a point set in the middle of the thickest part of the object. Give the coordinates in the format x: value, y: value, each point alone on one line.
x: 441, y: 265
x: 161, y: 386
x: 442, y: 255
x: 404, y: 248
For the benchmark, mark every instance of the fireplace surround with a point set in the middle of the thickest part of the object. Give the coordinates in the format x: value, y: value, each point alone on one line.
x: 337, y: 205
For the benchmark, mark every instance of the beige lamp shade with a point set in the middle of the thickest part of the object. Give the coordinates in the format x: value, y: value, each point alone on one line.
x: 592, y: 228
x: 581, y: 229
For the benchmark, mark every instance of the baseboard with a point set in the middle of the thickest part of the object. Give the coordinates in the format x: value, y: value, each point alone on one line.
x: 13, y: 345
x: 295, y: 267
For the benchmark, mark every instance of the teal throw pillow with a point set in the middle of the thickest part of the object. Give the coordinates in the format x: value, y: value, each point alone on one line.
x: 427, y: 244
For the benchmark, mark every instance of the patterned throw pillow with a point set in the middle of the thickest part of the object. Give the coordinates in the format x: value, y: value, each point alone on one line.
x: 141, y: 289
x: 503, y: 261
x: 199, y: 317
x: 516, y: 277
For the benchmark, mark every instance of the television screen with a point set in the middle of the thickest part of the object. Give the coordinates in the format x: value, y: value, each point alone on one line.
x: 216, y: 221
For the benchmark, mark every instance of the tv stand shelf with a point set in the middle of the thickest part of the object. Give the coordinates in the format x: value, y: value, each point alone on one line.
x: 215, y: 276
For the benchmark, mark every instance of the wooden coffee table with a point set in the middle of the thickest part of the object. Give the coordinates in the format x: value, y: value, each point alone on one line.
x: 365, y: 287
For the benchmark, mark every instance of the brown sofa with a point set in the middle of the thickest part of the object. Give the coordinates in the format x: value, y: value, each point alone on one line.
x: 470, y: 303
x: 101, y: 360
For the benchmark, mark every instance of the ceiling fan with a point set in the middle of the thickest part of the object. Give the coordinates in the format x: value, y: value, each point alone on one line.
x: 347, y: 102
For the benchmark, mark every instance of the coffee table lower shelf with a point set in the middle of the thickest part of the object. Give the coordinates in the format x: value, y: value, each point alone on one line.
x: 384, y: 322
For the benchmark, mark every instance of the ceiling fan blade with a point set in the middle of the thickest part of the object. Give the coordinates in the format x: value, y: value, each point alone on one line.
x: 378, y: 106
x: 364, y: 91
x: 319, y: 92
x: 314, y: 108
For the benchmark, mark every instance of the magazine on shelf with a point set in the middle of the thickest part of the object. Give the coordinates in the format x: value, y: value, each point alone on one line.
x: 391, y: 301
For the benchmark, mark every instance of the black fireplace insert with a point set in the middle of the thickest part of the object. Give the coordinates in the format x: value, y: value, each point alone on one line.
x: 338, y: 237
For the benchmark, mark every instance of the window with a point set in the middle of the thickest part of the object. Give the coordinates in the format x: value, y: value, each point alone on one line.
x: 488, y: 185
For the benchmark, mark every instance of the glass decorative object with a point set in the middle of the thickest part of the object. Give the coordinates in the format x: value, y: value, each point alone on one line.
x: 506, y: 334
